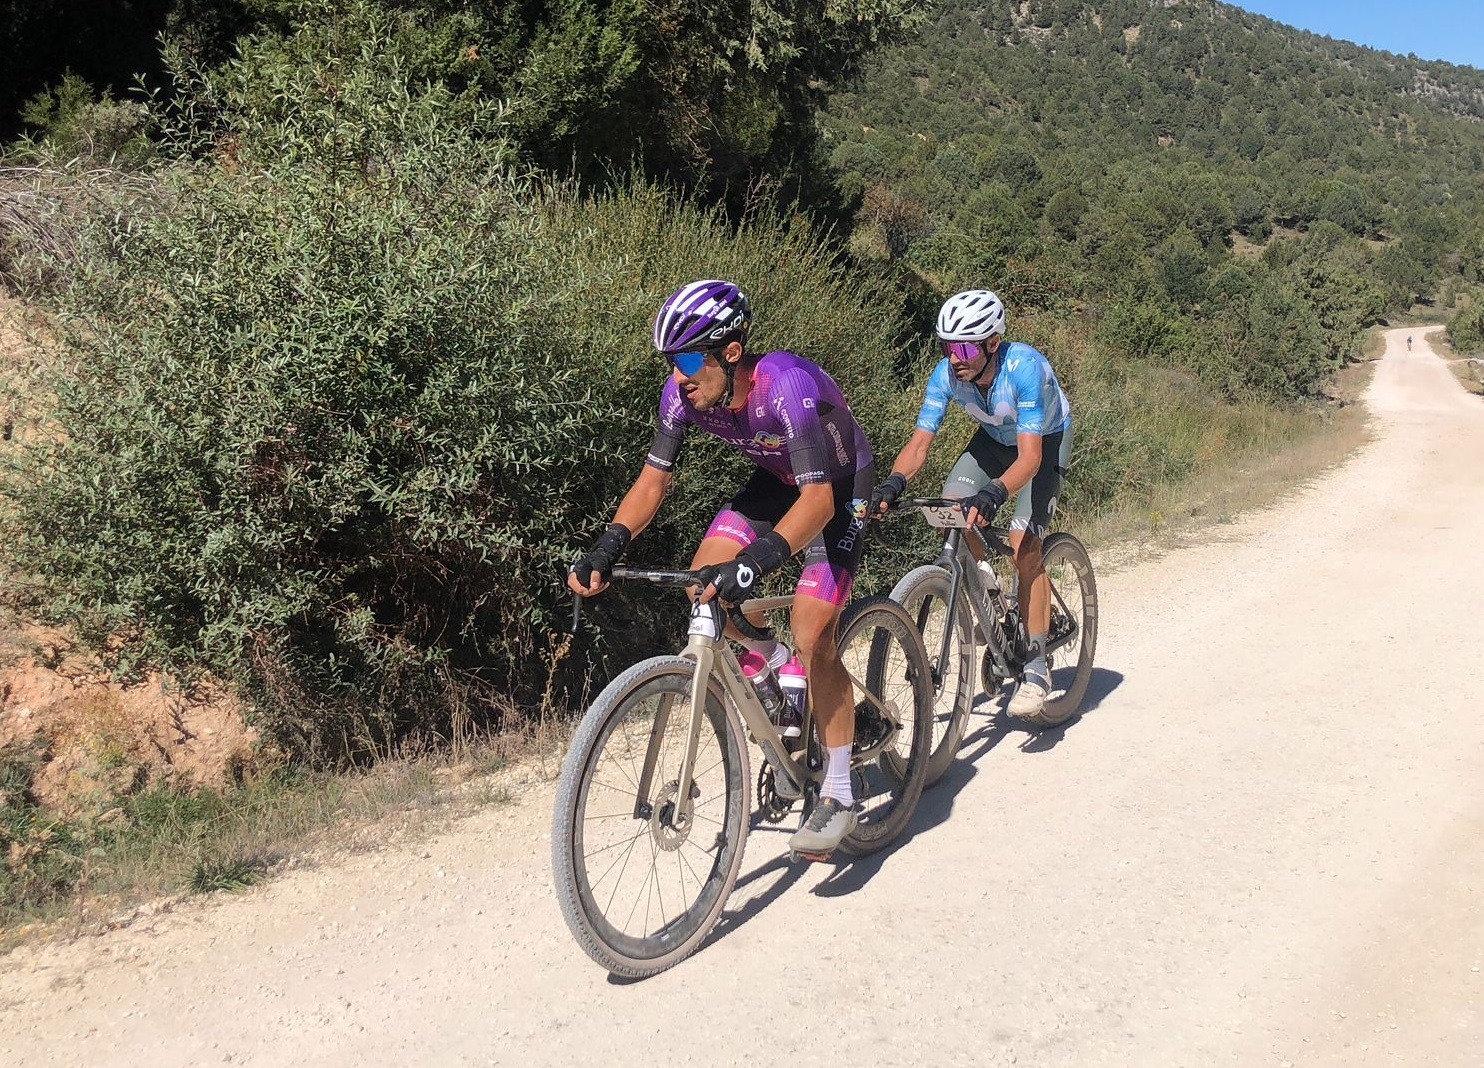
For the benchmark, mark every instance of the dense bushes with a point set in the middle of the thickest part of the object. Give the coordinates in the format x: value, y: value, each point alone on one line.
x: 330, y: 422
x: 339, y: 388
x: 1466, y: 331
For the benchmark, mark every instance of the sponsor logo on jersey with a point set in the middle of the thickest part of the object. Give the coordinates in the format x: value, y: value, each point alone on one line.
x: 840, y: 453
x: 767, y: 440
x: 858, y: 509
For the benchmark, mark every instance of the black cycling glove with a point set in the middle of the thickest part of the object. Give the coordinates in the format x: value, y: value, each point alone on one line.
x: 987, y: 500
x: 735, y: 579
x: 888, y: 492
x: 602, y: 556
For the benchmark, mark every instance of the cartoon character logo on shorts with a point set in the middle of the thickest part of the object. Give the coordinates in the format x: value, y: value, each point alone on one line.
x: 858, y: 508
x: 767, y: 441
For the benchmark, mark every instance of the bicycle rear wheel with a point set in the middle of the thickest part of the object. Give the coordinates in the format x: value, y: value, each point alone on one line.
x: 883, y: 654
x: 642, y: 874
x: 1073, y: 637
x: 923, y: 592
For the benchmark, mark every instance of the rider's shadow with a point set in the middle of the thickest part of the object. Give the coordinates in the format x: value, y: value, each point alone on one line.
x: 849, y: 874
x: 937, y: 802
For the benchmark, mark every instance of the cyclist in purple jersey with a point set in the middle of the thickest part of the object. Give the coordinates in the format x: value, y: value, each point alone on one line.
x: 809, y: 492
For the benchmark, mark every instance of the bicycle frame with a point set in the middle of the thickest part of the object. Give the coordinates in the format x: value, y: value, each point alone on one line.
x: 958, y: 560
x: 713, y: 656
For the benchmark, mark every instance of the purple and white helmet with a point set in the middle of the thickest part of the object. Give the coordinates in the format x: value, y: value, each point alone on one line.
x: 972, y: 315
x: 701, y: 315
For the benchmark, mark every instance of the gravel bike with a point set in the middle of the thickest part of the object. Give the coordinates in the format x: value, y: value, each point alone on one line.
x: 652, y: 807
x: 984, y: 610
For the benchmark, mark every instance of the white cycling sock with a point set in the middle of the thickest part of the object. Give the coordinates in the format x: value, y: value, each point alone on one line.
x: 775, y: 651
x: 837, y: 775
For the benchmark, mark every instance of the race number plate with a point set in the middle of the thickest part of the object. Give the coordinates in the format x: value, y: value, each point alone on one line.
x: 943, y: 515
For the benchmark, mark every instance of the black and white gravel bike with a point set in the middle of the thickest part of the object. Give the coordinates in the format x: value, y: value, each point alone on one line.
x: 982, y: 604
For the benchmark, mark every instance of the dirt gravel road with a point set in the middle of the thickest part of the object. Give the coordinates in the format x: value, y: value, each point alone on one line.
x: 1262, y: 845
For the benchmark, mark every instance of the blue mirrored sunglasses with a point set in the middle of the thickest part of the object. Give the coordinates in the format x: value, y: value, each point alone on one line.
x: 687, y: 363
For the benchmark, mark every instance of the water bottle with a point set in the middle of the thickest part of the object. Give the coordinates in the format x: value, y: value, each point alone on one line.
x: 795, y: 684
x: 760, y: 673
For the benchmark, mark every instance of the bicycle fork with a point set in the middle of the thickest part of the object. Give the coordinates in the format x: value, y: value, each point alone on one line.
x: 705, y: 634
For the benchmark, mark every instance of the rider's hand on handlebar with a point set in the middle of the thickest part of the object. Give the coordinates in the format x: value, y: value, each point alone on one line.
x: 733, y: 581
x: 590, y: 572
x: 980, y: 509
x: 885, y: 495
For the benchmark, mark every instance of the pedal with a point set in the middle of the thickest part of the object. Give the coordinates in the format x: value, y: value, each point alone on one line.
x: 796, y: 855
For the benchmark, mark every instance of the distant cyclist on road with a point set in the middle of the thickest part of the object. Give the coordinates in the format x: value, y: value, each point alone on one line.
x: 814, y: 474
x: 1022, y: 449
x: 1409, y: 342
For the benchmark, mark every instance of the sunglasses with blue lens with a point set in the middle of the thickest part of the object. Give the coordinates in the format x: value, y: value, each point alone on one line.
x: 687, y: 363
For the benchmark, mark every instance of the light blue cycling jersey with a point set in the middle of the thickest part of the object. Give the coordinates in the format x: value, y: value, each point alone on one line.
x: 1024, y: 398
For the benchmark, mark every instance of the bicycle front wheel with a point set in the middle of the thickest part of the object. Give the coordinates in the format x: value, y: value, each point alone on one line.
x: 1073, y: 637
x: 641, y: 873
x: 888, y: 667
x: 923, y: 592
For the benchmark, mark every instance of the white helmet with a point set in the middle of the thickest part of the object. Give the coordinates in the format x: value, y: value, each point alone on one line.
x: 972, y: 315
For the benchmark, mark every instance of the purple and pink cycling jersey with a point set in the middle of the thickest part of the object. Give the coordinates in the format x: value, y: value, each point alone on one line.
x: 798, y: 429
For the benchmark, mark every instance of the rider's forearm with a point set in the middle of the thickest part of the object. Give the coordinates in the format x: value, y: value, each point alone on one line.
x: 642, y: 502
x: 808, y: 516
x: 914, y: 454
x: 1027, y: 462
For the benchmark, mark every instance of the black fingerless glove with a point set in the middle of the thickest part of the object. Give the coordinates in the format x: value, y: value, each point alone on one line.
x: 987, y: 500
x: 887, y: 493
x: 735, y: 579
x: 603, y: 555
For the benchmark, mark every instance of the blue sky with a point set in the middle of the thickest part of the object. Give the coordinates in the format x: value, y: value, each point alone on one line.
x: 1433, y: 29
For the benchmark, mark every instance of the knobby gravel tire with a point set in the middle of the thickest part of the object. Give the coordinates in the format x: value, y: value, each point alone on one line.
x: 620, y: 718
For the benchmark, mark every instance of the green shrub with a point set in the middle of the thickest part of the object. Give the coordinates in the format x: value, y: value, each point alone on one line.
x: 1466, y: 331
x: 331, y: 425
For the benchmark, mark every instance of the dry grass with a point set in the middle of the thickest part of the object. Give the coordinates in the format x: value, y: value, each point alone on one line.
x: 1469, y: 370
x: 1294, y: 448
x: 152, y: 850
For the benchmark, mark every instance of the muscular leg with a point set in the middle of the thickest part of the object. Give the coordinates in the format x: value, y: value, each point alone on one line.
x: 1030, y: 570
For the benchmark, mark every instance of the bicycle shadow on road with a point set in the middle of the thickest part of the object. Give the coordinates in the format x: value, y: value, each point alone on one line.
x: 789, y: 874
x: 937, y: 802
x: 935, y: 807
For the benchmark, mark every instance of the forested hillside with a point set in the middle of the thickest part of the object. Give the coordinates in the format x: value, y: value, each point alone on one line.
x: 1208, y: 186
x: 345, y: 348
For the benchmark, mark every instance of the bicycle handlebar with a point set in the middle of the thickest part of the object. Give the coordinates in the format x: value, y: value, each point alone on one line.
x: 992, y: 536
x: 662, y: 577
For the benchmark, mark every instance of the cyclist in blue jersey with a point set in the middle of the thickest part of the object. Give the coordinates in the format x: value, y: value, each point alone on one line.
x: 809, y: 494
x: 1021, y: 449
